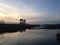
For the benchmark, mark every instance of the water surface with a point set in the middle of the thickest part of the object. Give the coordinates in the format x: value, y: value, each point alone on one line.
x: 31, y: 37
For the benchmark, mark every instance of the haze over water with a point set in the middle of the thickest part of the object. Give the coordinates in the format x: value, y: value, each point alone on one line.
x: 31, y: 37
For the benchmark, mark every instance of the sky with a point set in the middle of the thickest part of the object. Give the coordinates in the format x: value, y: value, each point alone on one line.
x: 34, y: 11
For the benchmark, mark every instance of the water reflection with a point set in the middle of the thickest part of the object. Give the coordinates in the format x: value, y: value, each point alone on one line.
x: 58, y: 37
x: 31, y: 37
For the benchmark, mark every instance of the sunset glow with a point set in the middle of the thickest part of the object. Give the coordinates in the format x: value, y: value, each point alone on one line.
x: 13, y: 10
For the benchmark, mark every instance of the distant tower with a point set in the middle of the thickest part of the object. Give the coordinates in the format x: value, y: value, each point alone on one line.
x: 22, y: 22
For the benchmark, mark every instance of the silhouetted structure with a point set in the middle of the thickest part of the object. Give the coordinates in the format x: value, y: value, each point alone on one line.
x: 22, y: 22
x: 22, y: 25
x: 6, y: 28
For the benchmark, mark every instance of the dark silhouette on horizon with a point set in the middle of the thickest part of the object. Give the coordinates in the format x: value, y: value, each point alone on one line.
x: 9, y: 28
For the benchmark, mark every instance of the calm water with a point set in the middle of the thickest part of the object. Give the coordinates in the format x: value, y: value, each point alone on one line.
x: 31, y: 37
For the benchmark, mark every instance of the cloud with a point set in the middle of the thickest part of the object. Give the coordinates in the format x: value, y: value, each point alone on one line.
x: 11, y: 13
x: 8, y: 11
x: 14, y: 10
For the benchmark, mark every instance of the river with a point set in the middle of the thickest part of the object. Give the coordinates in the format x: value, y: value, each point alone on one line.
x: 31, y: 37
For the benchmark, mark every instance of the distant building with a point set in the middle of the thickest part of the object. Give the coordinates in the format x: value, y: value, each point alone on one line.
x: 22, y: 22
x: 22, y: 25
